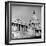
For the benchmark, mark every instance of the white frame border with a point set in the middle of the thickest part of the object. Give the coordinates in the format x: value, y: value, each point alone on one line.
x: 29, y: 40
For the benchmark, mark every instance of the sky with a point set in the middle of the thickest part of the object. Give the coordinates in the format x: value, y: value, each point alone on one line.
x: 24, y: 12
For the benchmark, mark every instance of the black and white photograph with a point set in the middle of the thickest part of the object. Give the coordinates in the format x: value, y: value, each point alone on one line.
x: 24, y: 22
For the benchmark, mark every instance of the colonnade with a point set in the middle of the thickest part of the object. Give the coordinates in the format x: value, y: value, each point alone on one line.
x: 20, y: 27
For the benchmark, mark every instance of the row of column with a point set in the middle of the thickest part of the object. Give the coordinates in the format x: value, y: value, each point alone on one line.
x: 20, y: 27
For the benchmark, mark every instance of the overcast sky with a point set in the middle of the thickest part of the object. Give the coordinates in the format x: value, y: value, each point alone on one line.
x: 25, y: 12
